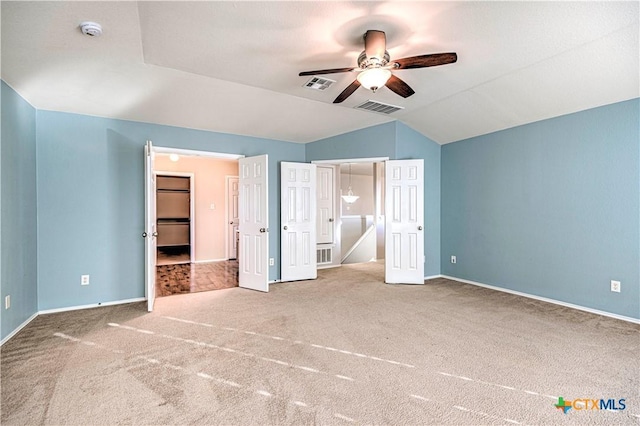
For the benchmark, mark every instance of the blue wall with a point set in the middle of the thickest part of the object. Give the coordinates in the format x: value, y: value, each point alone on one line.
x: 396, y: 141
x: 411, y: 144
x: 91, y: 201
x: 370, y: 142
x: 550, y: 208
x: 18, y: 252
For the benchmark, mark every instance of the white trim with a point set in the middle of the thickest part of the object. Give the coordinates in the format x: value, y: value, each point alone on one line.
x: 219, y: 155
x: 351, y: 160
x: 545, y: 299
x: 92, y: 305
x: 20, y: 327
x: 433, y: 277
x: 192, y: 209
x: 210, y: 260
x: 328, y: 266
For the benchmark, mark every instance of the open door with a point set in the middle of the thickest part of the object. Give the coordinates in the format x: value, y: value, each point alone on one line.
x: 150, y: 233
x: 233, y: 192
x: 298, y: 221
x: 404, y: 235
x: 254, y: 224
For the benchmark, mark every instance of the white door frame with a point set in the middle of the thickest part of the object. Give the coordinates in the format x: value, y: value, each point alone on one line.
x: 192, y: 216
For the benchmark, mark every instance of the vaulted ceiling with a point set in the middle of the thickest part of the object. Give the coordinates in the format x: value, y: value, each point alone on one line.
x: 233, y: 66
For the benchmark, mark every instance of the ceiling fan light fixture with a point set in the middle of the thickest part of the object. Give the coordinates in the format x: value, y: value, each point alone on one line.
x: 374, y: 78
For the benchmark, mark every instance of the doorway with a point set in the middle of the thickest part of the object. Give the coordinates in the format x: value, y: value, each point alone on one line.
x: 395, y: 232
x: 356, y: 222
x: 192, y: 209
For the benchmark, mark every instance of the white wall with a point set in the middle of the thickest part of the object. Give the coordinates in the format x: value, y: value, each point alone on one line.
x: 362, y: 186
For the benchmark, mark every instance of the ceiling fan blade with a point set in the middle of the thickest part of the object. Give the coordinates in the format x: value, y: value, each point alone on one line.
x: 423, y: 61
x: 331, y: 71
x: 347, y: 92
x: 375, y: 43
x: 399, y: 87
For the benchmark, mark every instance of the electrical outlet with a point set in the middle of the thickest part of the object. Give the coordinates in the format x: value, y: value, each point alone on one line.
x: 453, y: 259
x: 272, y: 261
x: 615, y: 286
x: 7, y: 301
x: 84, y: 280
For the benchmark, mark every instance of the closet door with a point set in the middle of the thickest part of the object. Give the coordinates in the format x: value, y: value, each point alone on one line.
x: 298, y: 221
x: 254, y: 224
x: 404, y: 235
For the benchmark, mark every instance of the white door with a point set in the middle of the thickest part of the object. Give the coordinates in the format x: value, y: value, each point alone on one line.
x: 404, y: 234
x: 254, y: 223
x: 150, y: 233
x: 233, y: 216
x: 298, y: 221
x: 325, y: 220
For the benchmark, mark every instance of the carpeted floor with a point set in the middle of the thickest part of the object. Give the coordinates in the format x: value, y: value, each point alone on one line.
x: 343, y: 349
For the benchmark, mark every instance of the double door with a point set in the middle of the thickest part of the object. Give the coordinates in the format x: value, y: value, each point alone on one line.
x: 404, y: 221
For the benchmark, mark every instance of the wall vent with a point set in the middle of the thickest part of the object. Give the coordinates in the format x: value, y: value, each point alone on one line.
x: 324, y: 256
x: 379, y: 107
x: 319, y: 83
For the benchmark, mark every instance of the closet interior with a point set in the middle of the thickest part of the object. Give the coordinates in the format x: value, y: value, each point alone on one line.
x: 173, y: 208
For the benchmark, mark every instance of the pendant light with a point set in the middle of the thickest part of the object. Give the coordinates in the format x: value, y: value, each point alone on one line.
x: 350, y: 198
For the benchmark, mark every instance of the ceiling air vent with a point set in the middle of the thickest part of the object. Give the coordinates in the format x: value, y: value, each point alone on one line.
x: 379, y: 107
x: 319, y: 83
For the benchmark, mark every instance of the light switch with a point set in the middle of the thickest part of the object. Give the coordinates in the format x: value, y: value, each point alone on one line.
x: 213, y: 206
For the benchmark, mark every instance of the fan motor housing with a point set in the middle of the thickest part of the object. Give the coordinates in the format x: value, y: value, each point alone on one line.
x: 364, y: 62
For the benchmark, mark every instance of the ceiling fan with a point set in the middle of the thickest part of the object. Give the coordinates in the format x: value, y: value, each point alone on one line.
x: 374, y: 67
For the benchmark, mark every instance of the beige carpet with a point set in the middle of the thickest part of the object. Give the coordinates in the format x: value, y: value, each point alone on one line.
x: 343, y: 349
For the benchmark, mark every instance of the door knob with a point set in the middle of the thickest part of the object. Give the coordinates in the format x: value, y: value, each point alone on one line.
x: 330, y: 219
x: 144, y: 235
x: 263, y: 230
x: 285, y: 227
x: 155, y: 234
x: 231, y: 223
x: 419, y: 228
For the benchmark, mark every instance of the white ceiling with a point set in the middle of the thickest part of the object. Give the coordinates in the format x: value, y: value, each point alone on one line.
x: 233, y: 66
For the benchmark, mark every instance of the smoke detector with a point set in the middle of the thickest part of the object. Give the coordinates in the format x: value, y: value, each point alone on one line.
x: 92, y: 29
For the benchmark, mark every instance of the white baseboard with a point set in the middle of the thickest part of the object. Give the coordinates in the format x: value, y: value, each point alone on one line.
x: 210, y: 260
x: 70, y: 308
x: 545, y: 299
x: 433, y: 277
x: 329, y: 266
x: 20, y: 327
x: 92, y: 305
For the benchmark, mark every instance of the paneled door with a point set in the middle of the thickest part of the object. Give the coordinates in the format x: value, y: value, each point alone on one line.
x: 404, y: 234
x: 233, y: 192
x: 298, y: 221
x: 254, y: 223
x: 325, y: 199
x: 150, y: 232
